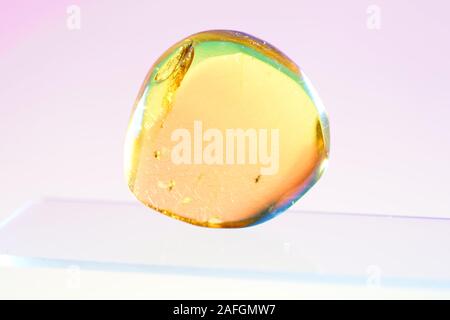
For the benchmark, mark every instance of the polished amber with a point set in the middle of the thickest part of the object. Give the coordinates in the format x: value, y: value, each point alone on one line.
x: 225, y: 132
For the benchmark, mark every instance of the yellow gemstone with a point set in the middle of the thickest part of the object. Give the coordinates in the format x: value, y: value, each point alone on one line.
x: 226, y: 131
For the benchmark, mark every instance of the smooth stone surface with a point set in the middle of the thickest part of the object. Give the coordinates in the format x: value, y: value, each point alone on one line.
x: 226, y: 132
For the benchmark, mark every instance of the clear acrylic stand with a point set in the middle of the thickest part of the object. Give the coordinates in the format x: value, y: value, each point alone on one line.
x: 312, y: 247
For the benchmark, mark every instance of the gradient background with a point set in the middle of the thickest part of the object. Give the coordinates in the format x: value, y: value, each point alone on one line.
x: 66, y: 95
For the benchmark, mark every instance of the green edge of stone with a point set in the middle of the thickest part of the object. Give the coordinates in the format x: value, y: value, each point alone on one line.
x: 209, y: 49
x: 217, y: 48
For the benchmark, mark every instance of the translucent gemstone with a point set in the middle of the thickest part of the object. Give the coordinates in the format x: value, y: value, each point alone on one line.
x: 226, y: 131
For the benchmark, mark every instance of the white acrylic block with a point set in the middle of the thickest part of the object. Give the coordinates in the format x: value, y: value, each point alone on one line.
x: 312, y: 247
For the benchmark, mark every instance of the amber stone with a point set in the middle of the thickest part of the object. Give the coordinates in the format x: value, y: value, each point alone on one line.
x: 226, y: 131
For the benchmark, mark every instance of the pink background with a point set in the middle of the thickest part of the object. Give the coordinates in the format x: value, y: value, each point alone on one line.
x: 66, y: 95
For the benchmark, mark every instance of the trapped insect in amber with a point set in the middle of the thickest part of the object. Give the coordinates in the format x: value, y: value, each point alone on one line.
x: 226, y: 131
